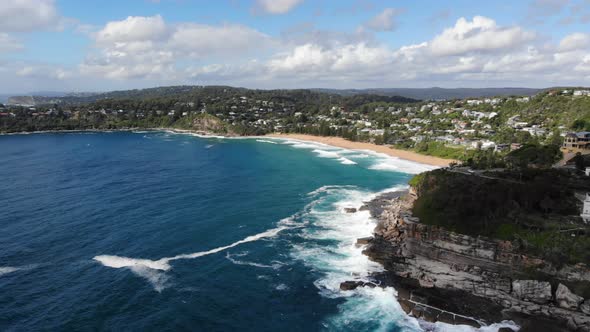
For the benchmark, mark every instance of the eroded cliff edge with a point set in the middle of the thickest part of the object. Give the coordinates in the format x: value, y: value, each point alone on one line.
x: 462, y: 277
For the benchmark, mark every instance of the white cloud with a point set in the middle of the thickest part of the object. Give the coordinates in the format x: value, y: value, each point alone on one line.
x: 471, y: 52
x: 277, y: 6
x: 9, y: 44
x: 28, y: 15
x: 479, y: 35
x: 575, y: 41
x: 148, y: 47
x: 477, y: 52
x: 384, y: 21
x: 43, y: 72
x: 133, y: 29
x: 201, y: 40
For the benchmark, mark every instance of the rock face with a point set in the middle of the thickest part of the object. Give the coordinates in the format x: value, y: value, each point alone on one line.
x: 436, y: 259
x: 566, y: 299
x: 532, y: 291
x: 352, y: 285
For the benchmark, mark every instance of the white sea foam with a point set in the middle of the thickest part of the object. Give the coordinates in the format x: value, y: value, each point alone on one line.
x: 275, y: 265
x: 326, y: 153
x: 266, y: 141
x: 364, y: 308
x: 281, y: 287
x: 358, y: 155
x: 8, y: 269
x: 346, y: 161
x: 380, y: 162
x: 384, y: 162
x: 158, y: 279
x: 149, y: 269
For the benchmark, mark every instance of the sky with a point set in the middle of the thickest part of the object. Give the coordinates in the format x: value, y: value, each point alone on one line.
x: 92, y: 45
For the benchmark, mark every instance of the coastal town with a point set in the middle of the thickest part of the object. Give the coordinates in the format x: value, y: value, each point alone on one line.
x: 500, y: 124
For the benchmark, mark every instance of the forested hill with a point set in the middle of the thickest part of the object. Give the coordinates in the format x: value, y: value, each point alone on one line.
x: 186, y: 93
x: 437, y: 93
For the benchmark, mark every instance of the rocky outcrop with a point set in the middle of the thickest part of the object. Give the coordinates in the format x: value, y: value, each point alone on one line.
x: 532, y: 291
x: 436, y: 259
x: 566, y: 299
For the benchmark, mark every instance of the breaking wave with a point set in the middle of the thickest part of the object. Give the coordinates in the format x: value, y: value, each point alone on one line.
x: 329, y: 247
x: 266, y: 141
x: 152, y: 270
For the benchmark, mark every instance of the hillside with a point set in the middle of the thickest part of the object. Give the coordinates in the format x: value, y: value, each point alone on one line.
x: 437, y: 93
x: 189, y: 93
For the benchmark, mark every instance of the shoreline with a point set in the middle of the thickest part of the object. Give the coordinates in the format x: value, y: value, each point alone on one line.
x: 328, y: 140
x: 346, y: 144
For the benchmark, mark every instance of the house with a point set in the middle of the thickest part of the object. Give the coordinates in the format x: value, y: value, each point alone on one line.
x: 587, y: 171
x: 576, y: 141
x: 586, y: 209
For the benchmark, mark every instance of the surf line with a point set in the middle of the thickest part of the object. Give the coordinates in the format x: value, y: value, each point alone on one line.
x: 163, y: 264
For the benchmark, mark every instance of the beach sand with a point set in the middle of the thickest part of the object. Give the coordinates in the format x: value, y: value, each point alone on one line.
x: 346, y: 144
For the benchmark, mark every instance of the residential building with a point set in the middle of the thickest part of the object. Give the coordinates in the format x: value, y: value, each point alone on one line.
x: 586, y: 209
x: 576, y: 141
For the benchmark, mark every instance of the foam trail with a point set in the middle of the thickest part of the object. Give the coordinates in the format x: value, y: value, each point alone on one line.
x: 163, y: 264
x: 158, y: 279
x: 275, y: 266
x: 8, y: 269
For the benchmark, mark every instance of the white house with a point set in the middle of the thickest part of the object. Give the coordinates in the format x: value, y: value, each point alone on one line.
x: 587, y: 171
x: 586, y: 210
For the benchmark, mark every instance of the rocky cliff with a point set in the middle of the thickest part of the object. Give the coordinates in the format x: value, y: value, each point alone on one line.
x: 473, y: 280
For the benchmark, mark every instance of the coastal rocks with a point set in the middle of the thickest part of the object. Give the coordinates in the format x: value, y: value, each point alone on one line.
x: 566, y: 299
x: 531, y: 290
x: 352, y: 285
x: 363, y: 241
x: 350, y: 210
x: 489, y: 273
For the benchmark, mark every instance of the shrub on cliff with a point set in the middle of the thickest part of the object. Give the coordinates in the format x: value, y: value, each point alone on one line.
x: 532, y: 207
x: 534, y: 155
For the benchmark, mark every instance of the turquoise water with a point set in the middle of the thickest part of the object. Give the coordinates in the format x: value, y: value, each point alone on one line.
x: 160, y: 231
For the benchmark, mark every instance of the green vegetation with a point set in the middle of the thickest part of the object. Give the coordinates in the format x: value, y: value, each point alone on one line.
x: 534, y: 208
x: 535, y: 155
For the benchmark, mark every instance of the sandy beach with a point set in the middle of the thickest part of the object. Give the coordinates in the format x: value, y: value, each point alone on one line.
x: 346, y: 144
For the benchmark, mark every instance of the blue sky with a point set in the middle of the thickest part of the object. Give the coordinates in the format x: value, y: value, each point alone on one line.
x: 102, y: 45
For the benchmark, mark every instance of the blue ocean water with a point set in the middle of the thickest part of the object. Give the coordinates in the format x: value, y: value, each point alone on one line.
x: 155, y: 231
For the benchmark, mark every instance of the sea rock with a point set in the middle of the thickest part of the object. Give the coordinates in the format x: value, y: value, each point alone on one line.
x: 585, y: 307
x: 566, y: 299
x: 363, y: 240
x: 350, y: 210
x: 532, y: 290
x: 352, y: 285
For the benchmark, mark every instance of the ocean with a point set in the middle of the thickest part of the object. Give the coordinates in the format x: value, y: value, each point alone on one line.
x: 157, y: 231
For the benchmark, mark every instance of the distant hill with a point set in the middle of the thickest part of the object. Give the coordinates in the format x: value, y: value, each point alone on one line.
x: 21, y: 100
x: 192, y: 92
x: 437, y: 93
